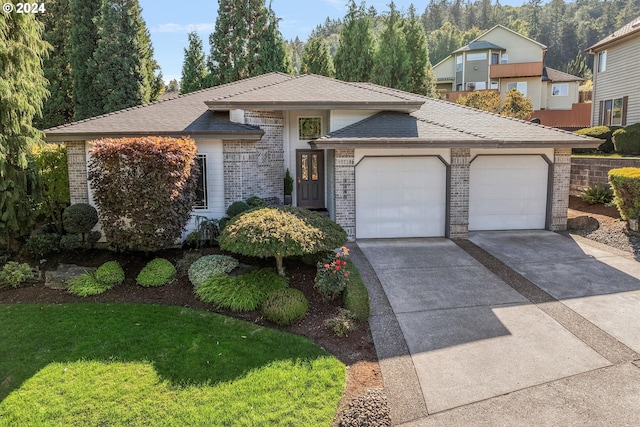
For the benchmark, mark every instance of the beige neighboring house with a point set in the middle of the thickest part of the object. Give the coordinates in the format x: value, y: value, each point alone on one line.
x: 616, y: 93
x: 382, y: 163
x: 502, y: 59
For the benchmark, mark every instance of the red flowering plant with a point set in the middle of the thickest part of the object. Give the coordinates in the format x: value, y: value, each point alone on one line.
x: 332, y: 274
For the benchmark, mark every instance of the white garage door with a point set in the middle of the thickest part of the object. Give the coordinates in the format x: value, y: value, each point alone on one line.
x: 400, y: 197
x: 508, y: 193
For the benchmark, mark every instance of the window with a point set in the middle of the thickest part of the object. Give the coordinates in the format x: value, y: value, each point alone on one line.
x: 613, y: 112
x: 505, y: 58
x: 476, y: 85
x: 201, y: 189
x: 495, y: 58
x: 309, y: 128
x: 602, y: 61
x: 477, y: 56
x: 495, y: 84
x: 458, y: 63
x: 519, y: 86
x: 560, y: 89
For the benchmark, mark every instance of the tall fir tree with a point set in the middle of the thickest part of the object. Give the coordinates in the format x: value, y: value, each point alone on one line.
x: 391, y: 62
x: 421, y: 77
x: 58, y: 107
x: 353, y: 60
x: 444, y: 41
x: 83, y: 39
x: 22, y: 90
x: 316, y: 58
x: 153, y: 82
x: 271, y: 50
x: 194, y: 67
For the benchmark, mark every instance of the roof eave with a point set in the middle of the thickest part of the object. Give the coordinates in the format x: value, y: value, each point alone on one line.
x: 407, y: 107
x: 606, y: 43
x: 88, y: 136
x: 358, y: 143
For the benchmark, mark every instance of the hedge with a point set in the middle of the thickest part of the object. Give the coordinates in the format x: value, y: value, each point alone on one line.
x: 625, y: 183
x: 600, y: 132
x: 627, y: 140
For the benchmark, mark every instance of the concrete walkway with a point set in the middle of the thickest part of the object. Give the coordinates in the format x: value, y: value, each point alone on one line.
x: 509, y: 328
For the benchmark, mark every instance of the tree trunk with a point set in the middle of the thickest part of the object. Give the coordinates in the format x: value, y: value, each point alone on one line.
x: 280, y: 266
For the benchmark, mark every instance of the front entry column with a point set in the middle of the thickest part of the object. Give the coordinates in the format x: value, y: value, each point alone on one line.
x: 345, y: 191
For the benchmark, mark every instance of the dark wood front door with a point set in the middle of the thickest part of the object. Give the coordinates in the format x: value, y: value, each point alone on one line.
x: 310, y: 178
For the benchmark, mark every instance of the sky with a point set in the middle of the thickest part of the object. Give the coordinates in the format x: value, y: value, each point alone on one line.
x: 169, y: 21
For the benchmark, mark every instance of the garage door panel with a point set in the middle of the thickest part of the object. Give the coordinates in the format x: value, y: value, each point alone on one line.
x: 508, y: 192
x: 400, y: 197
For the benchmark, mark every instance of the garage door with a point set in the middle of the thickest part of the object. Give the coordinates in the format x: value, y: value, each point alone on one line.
x: 508, y: 193
x: 400, y: 197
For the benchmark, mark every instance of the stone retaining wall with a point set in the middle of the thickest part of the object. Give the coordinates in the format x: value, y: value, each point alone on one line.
x: 589, y: 171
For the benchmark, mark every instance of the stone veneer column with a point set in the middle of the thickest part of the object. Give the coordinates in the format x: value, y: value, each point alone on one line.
x: 561, y: 185
x: 459, y: 194
x: 77, y: 163
x: 345, y: 191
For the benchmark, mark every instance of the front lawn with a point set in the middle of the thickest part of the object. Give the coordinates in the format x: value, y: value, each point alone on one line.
x: 130, y: 364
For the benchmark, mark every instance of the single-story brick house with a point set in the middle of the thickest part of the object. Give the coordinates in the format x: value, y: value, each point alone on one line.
x: 382, y: 162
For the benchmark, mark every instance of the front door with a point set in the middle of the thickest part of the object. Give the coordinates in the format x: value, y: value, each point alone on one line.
x: 310, y: 178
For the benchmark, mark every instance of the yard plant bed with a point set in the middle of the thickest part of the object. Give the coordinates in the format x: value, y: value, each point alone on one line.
x: 355, y: 350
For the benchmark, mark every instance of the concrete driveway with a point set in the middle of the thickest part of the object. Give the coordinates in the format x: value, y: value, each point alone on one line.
x: 509, y: 328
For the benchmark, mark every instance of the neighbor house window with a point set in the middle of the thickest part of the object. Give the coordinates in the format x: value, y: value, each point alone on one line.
x: 458, y: 63
x: 476, y: 85
x: 309, y: 128
x: 613, y: 112
x: 495, y: 84
x: 201, y: 189
x: 560, y: 89
x: 477, y: 56
x: 495, y: 58
x: 602, y: 61
x: 519, y: 86
x: 504, y: 59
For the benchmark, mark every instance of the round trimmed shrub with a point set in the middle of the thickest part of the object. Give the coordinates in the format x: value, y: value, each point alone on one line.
x: 79, y: 218
x: 43, y: 244
x: 86, y: 285
x: 110, y: 274
x: 206, y: 267
x: 69, y: 242
x: 237, y: 208
x: 157, y: 272
x: 256, y: 202
x: 93, y: 237
x: 285, y: 306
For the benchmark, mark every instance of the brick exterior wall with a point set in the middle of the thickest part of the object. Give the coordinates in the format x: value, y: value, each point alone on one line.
x: 345, y: 191
x: 560, y: 190
x: 459, y: 194
x: 256, y: 169
x: 587, y: 172
x: 77, y: 162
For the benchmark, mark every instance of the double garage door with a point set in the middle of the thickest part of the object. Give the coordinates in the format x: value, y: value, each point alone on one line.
x: 407, y: 196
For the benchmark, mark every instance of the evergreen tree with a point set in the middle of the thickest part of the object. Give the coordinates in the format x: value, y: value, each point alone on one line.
x: 391, y: 62
x: 22, y: 90
x: 194, y: 67
x: 173, y: 86
x: 270, y: 47
x: 354, y: 57
x: 295, y: 50
x: 58, y: 108
x: 434, y: 15
x: 578, y: 67
x: 83, y: 41
x: 153, y: 84
x: 421, y: 78
x: 444, y: 41
x: 122, y: 74
x: 316, y: 58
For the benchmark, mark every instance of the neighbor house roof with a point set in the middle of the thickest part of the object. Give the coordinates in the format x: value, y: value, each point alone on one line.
x: 552, y: 75
x: 631, y: 28
x: 479, y: 45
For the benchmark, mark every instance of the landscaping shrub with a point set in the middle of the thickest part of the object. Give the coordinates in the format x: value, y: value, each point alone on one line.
x: 79, y: 218
x: 157, y: 272
x: 69, y: 242
x: 237, y: 208
x: 627, y: 140
x: 288, y: 183
x: 86, y: 285
x: 256, y: 202
x: 281, y: 232
x: 110, y: 274
x: 625, y: 183
x: 600, y: 132
x: 206, y: 233
x: 243, y: 293
x: 43, y: 244
x: 342, y: 323
x: 332, y: 275
x: 599, y: 193
x: 14, y: 273
x: 356, y: 295
x: 93, y: 237
x: 187, y: 260
x: 285, y: 306
x: 145, y: 189
x: 51, y: 166
x: 209, y: 266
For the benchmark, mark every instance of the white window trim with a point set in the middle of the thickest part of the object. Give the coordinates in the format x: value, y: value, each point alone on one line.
x: 309, y: 117
x: 602, y: 61
x: 203, y: 174
x: 519, y: 86
x: 563, y: 89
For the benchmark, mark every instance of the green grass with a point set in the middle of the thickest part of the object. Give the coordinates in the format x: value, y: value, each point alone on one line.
x: 130, y: 365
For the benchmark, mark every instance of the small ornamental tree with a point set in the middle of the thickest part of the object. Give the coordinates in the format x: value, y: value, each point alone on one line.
x: 144, y: 189
x: 281, y: 232
x: 517, y: 105
x: 486, y: 100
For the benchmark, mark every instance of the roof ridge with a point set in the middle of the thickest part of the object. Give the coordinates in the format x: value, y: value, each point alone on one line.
x: 370, y: 87
x: 229, y: 95
x: 160, y: 101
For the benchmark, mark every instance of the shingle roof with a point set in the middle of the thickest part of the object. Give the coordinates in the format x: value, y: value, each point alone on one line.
x: 479, y: 45
x: 558, y: 76
x: 311, y: 91
x: 183, y: 115
x: 629, y: 29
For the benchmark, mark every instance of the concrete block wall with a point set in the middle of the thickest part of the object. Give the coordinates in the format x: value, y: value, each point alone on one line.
x: 459, y: 193
x: 345, y: 191
x: 589, y: 171
x: 560, y: 189
x: 77, y: 163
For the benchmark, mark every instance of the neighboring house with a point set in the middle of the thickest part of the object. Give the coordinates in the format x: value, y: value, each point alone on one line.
x: 616, y: 93
x: 382, y: 162
x: 501, y: 60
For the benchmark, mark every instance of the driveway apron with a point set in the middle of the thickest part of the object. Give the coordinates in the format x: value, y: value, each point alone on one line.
x: 469, y: 335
